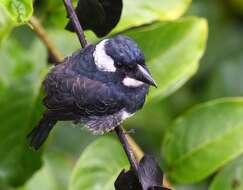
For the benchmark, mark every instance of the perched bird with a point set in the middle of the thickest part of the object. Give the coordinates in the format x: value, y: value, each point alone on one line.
x: 99, y: 86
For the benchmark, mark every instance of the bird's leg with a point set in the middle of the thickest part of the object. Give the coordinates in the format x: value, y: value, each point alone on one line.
x: 122, y: 137
x: 74, y: 19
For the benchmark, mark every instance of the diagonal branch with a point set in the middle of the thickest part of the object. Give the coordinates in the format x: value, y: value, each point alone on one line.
x: 131, y: 157
x: 119, y: 130
x: 75, y: 22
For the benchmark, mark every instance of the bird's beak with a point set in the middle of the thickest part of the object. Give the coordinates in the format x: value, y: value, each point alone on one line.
x: 144, y: 76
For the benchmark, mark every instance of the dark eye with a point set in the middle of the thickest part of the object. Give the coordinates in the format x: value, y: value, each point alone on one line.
x: 118, y: 64
x: 131, y: 66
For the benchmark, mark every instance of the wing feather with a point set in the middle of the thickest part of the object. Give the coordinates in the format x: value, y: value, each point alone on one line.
x: 79, y: 93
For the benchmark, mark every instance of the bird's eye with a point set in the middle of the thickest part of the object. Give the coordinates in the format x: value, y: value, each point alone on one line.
x: 118, y: 65
x: 131, y: 66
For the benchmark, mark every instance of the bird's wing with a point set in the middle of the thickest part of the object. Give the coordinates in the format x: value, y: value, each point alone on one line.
x: 81, y: 95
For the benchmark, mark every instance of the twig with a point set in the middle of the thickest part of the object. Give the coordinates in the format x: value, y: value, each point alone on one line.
x: 122, y: 137
x: 42, y: 34
x: 120, y: 133
x: 138, y: 153
x: 74, y: 19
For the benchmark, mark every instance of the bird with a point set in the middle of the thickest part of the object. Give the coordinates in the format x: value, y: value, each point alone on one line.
x: 98, y: 86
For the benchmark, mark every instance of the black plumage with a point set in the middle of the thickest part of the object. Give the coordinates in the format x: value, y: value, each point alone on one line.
x: 79, y: 91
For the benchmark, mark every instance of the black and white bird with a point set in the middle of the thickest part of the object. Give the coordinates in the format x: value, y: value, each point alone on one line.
x: 99, y: 86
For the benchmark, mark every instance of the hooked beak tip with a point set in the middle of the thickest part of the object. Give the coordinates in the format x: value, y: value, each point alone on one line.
x: 155, y: 84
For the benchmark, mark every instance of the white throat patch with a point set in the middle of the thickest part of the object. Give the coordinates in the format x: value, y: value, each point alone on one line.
x: 130, y: 82
x: 103, y: 61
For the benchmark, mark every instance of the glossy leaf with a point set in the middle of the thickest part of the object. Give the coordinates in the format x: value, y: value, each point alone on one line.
x: 172, y: 51
x: 19, y: 11
x: 6, y: 24
x: 53, y: 175
x: 230, y: 178
x: 99, y: 165
x: 12, y: 13
x: 135, y: 13
x: 204, y: 139
x: 140, y: 12
x: 20, y: 108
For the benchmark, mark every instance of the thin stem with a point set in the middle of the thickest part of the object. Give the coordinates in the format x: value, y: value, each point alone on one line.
x: 74, y: 19
x: 122, y: 137
x: 42, y: 34
x: 135, y: 148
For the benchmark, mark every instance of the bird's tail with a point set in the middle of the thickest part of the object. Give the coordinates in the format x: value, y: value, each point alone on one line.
x: 39, y: 134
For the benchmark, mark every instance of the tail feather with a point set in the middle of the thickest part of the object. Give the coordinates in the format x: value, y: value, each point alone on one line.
x: 40, y: 133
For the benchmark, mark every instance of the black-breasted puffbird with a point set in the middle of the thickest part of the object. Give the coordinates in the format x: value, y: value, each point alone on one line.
x: 99, y: 86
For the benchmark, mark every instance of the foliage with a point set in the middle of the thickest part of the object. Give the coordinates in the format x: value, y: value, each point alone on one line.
x: 231, y: 176
x: 20, y: 109
x: 214, y: 128
x: 196, y: 144
x: 13, y: 12
x: 184, y: 39
x: 92, y: 173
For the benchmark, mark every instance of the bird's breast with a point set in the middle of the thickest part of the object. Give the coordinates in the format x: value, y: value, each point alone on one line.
x: 133, y: 98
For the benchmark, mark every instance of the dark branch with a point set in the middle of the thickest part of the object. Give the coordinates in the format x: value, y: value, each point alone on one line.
x: 74, y: 19
x: 122, y: 137
x: 120, y: 133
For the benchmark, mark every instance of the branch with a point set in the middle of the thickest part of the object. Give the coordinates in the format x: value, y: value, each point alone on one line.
x: 119, y: 130
x: 42, y: 34
x: 75, y: 22
x: 122, y: 137
x: 139, y: 154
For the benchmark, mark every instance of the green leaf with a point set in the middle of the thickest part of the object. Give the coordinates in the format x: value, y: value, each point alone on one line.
x: 6, y: 24
x: 172, y: 51
x: 139, y: 12
x: 19, y: 10
x: 135, y: 12
x: 43, y: 179
x: 149, y: 132
x: 99, y: 166
x: 21, y: 71
x: 53, y: 175
x: 13, y: 13
x: 199, y: 186
x: 230, y: 178
x: 204, y: 139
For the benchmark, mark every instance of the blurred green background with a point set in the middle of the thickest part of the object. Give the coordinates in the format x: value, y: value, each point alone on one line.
x: 194, y: 50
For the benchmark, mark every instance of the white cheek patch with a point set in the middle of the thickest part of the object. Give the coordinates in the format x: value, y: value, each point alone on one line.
x: 130, y: 82
x: 103, y: 61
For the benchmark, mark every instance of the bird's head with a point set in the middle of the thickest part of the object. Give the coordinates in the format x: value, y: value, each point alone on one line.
x: 123, y: 56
